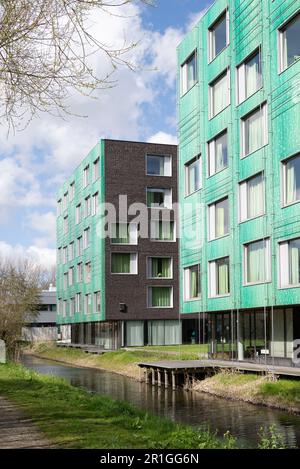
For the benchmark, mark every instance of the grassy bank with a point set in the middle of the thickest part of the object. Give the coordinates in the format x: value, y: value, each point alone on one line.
x: 72, y: 418
x: 256, y: 389
x: 121, y: 361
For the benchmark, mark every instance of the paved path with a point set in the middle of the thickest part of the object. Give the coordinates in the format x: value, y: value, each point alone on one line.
x: 17, y: 431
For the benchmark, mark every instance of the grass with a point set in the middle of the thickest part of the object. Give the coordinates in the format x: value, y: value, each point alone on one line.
x: 266, y: 390
x: 180, y: 349
x: 120, y: 361
x: 73, y: 418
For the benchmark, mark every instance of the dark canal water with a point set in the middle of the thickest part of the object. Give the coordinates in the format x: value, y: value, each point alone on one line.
x: 240, y: 419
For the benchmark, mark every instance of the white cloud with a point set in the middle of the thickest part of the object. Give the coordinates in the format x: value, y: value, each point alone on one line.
x: 163, y: 137
x: 42, y: 256
x: 43, y: 222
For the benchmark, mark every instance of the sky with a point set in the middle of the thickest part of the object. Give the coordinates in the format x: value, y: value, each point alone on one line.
x: 142, y: 106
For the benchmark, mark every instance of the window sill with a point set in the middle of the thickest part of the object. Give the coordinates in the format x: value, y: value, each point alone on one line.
x: 252, y: 218
x: 186, y: 92
x: 160, y: 307
x: 192, y: 193
x: 191, y: 300
x: 250, y: 96
x: 217, y: 172
x: 288, y: 287
x: 288, y: 67
x: 254, y: 151
x: 290, y: 204
x: 220, y: 296
x: 220, y: 112
x: 219, y: 237
x: 253, y: 284
x: 211, y: 60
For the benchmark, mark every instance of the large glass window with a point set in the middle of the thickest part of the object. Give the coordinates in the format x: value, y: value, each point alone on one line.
x: 218, y: 36
x: 97, y: 302
x: 123, y: 263
x: 219, y: 277
x: 78, y: 214
x: 78, y: 303
x: 96, y: 169
x: 254, y: 130
x: 88, y: 272
x: 249, y: 76
x: 124, y: 233
x: 257, y: 262
x: 160, y: 297
x: 88, y: 303
x: 193, y: 175
x: 219, y: 94
x: 86, y: 176
x: 159, y: 198
x: 162, y: 230
x: 218, y: 153
x: 291, y: 180
x: 159, y: 267
x: 189, y: 75
x: 219, y: 218
x: 289, y: 43
x: 86, y: 237
x: 79, y: 272
x: 159, y: 165
x: 289, y: 267
x: 192, y: 282
x: 252, y: 197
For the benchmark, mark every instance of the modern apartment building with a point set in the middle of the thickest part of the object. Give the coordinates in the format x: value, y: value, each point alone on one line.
x: 43, y: 327
x: 239, y: 179
x: 117, y: 269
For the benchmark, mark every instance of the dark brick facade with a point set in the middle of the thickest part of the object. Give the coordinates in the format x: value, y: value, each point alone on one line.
x: 125, y: 173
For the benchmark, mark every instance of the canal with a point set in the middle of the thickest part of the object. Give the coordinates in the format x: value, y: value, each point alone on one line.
x: 240, y: 419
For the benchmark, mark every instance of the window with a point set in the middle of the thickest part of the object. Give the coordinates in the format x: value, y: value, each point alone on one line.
x: 257, y: 262
x: 79, y: 272
x: 79, y: 246
x: 65, y: 280
x: 88, y: 303
x: 159, y: 267
x: 72, y: 306
x: 219, y: 277
x: 72, y: 190
x: 97, y: 302
x: 218, y: 36
x: 249, y: 76
x: 289, y: 263
x: 71, y: 275
x: 219, y: 92
x: 71, y: 251
x: 86, y: 176
x: 188, y: 73
x: 86, y: 238
x: 159, y: 198
x: 124, y: 263
x: 65, y: 201
x: 159, y: 165
x: 160, y: 297
x: 65, y: 309
x: 254, y: 130
x: 96, y: 169
x: 78, y: 214
x: 87, y: 206
x: 124, y: 233
x: 78, y: 303
x: 192, y: 282
x: 291, y: 180
x: 59, y: 207
x: 95, y: 200
x: 218, y: 153
x: 193, y: 175
x: 88, y: 271
x: 289, y: 45
x: 252, y: 197
x: 162, y: 230
x: 65, y: 225
x: 65, y: 255
x: 218, y: 219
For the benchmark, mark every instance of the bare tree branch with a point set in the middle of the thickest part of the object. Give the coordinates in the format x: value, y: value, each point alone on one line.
x: 45, y: 47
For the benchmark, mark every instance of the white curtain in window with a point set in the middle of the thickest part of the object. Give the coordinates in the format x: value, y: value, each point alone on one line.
x: 221, y: 153
x: 256, y: 262
x: 252, y: 75
x: 221, y: 209
x: 255, y: 196
x: 294, y: 262
x: 220, y: 95
x: 223, y: 279
x: 254, y: 132
x: 291, y: 186
x: 135, y: 333
x: 172, y: 333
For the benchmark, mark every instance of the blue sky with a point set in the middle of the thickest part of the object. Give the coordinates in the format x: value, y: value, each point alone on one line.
x: 142, y: 106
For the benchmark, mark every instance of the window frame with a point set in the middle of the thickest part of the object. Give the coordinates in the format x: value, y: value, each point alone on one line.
x: 131, y: 261
x: 149, y: 296
x: 211, y: 153
x: 280, y: 32
x: 241, y: 76
x: 264, y: 108
x: 154, y: 240
x: 187, y: 166
x: 187, y: 282
x: 168, y: 197
x: 223, y: 74
x: 212, y: 215
x: 283, y: 163
x: 244, y: 193
x: 212, y: 264
x: 283, y: 267
x: 268, y: 262
x: 149, y: 267
x: 167, y: 165
x: 210, y: 31
x: 183, y: 76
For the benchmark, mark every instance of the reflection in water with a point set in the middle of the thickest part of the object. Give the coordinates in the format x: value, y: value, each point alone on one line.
x: 242, y: 420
